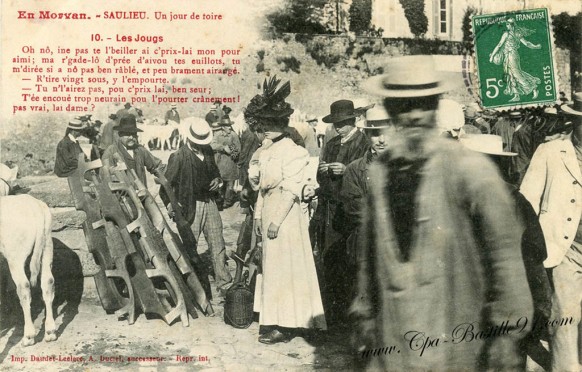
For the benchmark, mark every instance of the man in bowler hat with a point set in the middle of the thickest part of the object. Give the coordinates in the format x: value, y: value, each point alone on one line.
x: 126, y: 149
x: 329, y: 221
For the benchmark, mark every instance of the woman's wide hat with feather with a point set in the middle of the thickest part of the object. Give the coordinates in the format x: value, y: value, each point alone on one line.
x: 270, y: 104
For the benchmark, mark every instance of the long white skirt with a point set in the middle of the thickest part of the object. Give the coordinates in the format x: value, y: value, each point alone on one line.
x: 289, y: 293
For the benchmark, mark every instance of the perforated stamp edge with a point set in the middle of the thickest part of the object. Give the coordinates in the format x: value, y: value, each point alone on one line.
x: 471, y: 61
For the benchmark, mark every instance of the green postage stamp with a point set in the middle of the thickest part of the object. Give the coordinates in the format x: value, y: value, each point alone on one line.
x: 514, y: 58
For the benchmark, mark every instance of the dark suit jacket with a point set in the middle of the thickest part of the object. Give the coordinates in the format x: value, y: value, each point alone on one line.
x: 334, y: 151
x: 355, y: 189
x: 190, y: 178
x: 67, y: 157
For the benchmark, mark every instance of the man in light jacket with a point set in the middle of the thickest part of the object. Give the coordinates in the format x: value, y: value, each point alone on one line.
x: 552, y: 185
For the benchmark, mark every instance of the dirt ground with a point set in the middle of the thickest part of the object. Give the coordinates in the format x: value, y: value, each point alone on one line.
x: 90, y: 339
x: 85, y: 330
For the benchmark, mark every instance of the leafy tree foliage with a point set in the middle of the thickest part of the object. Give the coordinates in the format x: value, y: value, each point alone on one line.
x: 297, y: 16
x: 360, y: 16
x: 568, y: 31
x: 417, y: 20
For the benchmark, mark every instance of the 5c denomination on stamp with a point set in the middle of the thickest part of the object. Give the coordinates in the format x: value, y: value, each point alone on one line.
x: 514, y: 59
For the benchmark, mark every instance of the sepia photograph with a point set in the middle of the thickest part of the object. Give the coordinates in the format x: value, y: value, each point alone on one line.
x: 297, y: 185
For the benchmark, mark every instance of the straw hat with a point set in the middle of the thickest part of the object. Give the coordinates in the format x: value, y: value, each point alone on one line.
x: 485, y: 143
x: 198, y: 130
x: 408, y: 77
x: 376, y: 118
x: 75, y: 124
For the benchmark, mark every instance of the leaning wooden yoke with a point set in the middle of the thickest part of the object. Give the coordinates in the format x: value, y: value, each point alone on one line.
x: 145, y: 267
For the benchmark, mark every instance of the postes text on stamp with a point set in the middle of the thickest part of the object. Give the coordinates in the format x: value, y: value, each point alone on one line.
x: 514, y: 59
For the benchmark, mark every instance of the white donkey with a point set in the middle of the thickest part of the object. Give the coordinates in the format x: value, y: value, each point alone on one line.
x: 25, y: 231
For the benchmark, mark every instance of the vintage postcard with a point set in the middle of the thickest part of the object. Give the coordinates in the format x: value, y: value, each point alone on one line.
x: 290, y: 185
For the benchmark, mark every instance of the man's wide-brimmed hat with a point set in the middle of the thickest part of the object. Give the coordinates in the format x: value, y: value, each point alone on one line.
x: 341, y: 110
x: 376, y: 118
x: 490, y: 144
x: 225, y: 121
x: 75, y: 124
x: 127, y: 124
x: 408, y: 77
x: 576, y: 107
x: 198, y: 130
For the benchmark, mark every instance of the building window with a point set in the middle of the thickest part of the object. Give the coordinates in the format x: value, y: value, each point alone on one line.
x: 443, y: 16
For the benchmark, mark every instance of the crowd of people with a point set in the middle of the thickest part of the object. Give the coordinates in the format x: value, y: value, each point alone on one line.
x: 410, y: 233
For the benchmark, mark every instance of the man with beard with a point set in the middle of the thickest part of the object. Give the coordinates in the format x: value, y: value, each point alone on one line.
x: 126, y: 149
x: 440, y: 242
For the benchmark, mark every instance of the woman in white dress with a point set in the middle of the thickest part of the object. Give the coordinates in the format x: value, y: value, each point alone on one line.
x: 288, y: 297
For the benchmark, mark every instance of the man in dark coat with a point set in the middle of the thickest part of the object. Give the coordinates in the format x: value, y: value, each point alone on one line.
x: 226, y: 146
x: 108, y: 135
x: 215, y: 113
x: 355, y: 183
x: 441, y: 280
x: 68, y: 150
x: 195, y: 179
x: 349, y: 145
x: 533, y: 248
x: 249, y: 143
x: 172, y: 114
x: 355, y: 186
